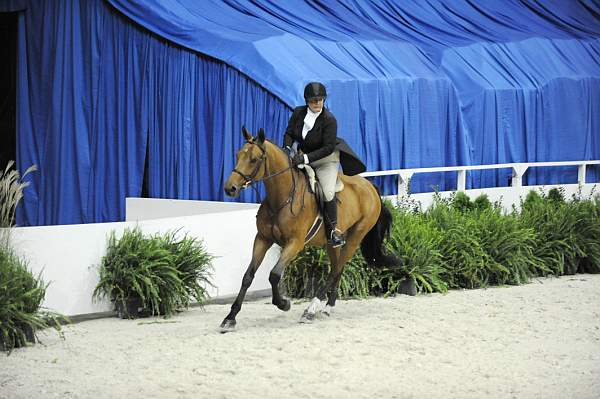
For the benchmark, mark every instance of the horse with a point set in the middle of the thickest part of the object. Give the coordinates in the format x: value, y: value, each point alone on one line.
x: 287, y: 213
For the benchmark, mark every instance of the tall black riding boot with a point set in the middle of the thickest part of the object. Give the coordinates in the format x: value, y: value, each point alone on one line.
x: 334, y: 236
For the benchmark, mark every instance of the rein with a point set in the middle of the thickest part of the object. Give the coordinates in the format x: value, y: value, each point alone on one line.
x: 250, y: 181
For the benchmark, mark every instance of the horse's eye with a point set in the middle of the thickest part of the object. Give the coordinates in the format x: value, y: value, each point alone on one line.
x: 253, y: 160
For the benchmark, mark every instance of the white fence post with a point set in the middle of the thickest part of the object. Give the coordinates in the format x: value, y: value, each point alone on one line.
x: 403, y: 182
x: 581, y: 174
x: 461, y: 180
x: 517, y: 177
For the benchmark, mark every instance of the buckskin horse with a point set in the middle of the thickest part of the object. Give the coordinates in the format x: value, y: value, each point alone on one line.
x: 287, y: 214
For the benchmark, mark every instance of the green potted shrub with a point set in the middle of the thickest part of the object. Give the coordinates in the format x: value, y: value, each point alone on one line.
x: 415, y: 240
x: 21, y: 296
x: 311, y: 268
x: 150, y: 275
x: 465, y: 260
x: 460, y: 243
x: 21, y: 293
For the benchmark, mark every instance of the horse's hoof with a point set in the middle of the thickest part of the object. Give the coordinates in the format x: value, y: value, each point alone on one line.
x: 285, y: 305
x: 327, y: 310
x: 307, y: 317
x: 227, y: 326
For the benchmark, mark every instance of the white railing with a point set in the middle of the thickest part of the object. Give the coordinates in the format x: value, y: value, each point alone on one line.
x: 519, y: 169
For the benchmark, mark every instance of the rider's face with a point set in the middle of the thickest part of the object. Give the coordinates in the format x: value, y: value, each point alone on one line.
x: 316, y: 104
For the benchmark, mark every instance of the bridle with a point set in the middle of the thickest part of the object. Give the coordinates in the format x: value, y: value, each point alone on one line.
x: 250, y: 181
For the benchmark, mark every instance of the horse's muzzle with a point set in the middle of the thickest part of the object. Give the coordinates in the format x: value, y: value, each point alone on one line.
x: 232, y: 191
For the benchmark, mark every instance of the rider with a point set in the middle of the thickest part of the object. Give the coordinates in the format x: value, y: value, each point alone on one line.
x: 312, y: 132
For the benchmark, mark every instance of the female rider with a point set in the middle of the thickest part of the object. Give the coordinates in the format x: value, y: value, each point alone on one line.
x: 312, y: 133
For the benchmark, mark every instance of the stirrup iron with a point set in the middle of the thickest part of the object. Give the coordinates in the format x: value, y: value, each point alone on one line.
x: 336, y: 239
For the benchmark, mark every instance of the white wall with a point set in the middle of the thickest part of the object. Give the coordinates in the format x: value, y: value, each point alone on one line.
x: 153, y: 208
x: 68, y: 256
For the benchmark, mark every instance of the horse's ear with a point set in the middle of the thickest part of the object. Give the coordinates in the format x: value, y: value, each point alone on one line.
x: 261, y: 136
x: 246, y: 134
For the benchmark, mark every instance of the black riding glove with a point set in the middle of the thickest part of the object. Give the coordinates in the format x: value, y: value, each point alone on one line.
x: 298, y: 159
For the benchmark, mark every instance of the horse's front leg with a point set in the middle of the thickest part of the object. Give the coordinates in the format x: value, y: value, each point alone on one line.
x: 261, y: 245
x: 289, y: 251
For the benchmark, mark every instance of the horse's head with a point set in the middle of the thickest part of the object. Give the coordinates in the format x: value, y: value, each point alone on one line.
x: 250, y: 163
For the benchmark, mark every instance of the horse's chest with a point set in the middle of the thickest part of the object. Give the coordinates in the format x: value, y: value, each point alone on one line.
x: 269, y: 230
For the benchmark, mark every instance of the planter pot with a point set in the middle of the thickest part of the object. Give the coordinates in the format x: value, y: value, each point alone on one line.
x: 29, y: 333
x: 408, y: 287
x: 134, y: 308
x: 147, y: 312
x: 131, y: 309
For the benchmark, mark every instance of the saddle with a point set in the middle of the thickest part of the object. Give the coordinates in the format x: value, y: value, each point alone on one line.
x: 314, y: 184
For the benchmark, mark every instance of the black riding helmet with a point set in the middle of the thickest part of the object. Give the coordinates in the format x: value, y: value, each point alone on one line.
x: 314, y: 90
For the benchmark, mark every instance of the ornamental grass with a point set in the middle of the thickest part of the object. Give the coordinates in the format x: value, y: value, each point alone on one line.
x: 21, y: 292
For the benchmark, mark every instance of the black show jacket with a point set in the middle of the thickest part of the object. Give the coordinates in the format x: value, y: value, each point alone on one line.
x: 321, y: 140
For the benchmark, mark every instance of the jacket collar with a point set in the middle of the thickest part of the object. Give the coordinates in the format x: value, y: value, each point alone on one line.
x: 305, y: 111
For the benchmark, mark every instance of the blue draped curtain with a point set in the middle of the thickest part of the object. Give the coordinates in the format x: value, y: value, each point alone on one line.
x: 412, y: 83
x: 97, y: 93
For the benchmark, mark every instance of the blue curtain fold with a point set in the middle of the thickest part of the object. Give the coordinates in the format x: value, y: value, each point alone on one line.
x: 413, y: 83
x: 79, y: 113
x: 199, y: 112
x: 489, y: 63
x: 97, y: 93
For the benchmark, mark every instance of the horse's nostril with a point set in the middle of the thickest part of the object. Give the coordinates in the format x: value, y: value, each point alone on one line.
x: 230, y: 190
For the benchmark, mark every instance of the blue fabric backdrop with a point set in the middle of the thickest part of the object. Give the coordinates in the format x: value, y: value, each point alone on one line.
x: 96, y: 93
x: 412, y: 83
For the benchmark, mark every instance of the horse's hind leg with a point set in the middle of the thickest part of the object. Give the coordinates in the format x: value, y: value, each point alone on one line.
x: 289, y: 251
x: 345, y: 255
x: 338, y: 259
x: 261, y: 245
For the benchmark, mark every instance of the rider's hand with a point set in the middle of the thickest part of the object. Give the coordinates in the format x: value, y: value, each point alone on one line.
x: 298, y: 159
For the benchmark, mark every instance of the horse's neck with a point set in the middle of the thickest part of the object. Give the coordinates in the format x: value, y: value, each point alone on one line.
x: 278, y: 187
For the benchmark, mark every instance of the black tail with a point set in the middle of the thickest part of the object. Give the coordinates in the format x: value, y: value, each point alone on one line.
x: 372, y: 245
